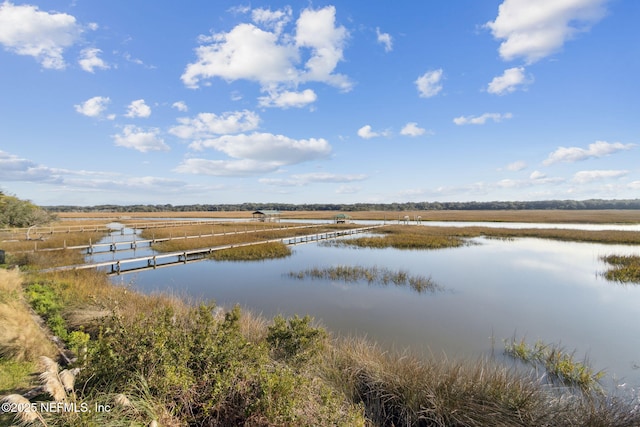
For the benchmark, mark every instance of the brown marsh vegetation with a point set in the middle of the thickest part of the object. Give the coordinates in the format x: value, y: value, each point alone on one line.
x: 624, y: 268
x: 371, y: 275
x: 551, y: 215
x: 425, y: 237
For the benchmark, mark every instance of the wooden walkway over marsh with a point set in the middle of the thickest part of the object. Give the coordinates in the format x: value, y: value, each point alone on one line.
x: 126, y: 245
x: 130, y: 265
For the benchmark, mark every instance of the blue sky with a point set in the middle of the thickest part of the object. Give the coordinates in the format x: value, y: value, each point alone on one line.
x: 319, y: 102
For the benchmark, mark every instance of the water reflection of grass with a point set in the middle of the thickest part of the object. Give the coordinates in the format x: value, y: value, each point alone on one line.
x: 625, y: 268
x: 560, y: 365
x: 372, y: 275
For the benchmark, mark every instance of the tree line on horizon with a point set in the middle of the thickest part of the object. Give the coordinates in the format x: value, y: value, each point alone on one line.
x: 591, y: 204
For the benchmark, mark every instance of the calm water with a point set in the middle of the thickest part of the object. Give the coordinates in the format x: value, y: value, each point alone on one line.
x: 495, y: 289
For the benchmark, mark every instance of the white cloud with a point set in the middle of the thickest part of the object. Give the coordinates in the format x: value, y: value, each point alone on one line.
x: 316, y: 29
x: 138, y: 108
x: 536, y: 175
x: 535, y: 29
x: 140, y: 140
x: 366, y: 132
x: 595, y: 150
x: 89, y: 60
x: 244, y: 167
x: 267, y: 147
x: 93, y: 107
x: 288, y: 99
x: 272, y: 58
x: 584, y: 177
x: 207, y: 125
x: 516, y: 166
x: 275, y: 20
x: 26, y: 30
x: 385, y: 39
x: 509, y: 81
x: 429, y: 83
x: 635, y: 185
x: 180, y: 106
x: 412, y: 129
x: 480, y: 120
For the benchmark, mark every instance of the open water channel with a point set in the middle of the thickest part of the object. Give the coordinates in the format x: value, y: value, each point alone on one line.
x: 493, y: 290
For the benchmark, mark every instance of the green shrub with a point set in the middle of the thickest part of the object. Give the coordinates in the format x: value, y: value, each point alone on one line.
x: 295, y: 340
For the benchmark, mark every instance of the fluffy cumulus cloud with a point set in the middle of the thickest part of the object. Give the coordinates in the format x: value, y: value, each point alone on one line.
x: 287, y: 99
x: 267, y: 147
x: 262, y: 51
x: 254, y: 154
x: 89, y: 60
x: 429, y: 84
x: 26, y: 30
x: 93, y: 107
x: 584, y: 177
x: 509, y: 81
x: 138, y: 108
x: 140, y: 139
x: 250, y: 153
x: 535, y: 29
x: 180, y: 106
x: 595, y: 150
x: 480, y: 120
x: 385, y: 40
x: 366, y: 132
x: 207, y: 125
x: 412, y: 129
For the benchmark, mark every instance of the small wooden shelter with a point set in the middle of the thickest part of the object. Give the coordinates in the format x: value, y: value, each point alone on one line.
x: 342, y: 218
x: 266, y: 215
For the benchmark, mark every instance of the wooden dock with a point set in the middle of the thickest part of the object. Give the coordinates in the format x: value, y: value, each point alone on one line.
x: 130, y: 265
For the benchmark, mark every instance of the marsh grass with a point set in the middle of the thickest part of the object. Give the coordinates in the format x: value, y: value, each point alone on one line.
x: 560, y: 365
x: 625, y: 268
x: 406, y: 237
x: 238, y: 238
x: 426, y: 237
x: 371, y: 275
x: 271, y: 250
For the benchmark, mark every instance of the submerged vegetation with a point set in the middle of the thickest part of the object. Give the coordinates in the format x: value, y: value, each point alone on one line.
x: 560, y: 365
x: 626, y: 269
x: 371, y: 275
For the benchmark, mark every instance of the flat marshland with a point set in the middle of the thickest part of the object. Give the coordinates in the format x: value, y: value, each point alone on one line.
x: 158, y: 357
x: 549, y: 216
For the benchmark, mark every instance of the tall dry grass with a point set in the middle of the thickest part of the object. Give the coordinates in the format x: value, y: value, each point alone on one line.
x: 21, y: 336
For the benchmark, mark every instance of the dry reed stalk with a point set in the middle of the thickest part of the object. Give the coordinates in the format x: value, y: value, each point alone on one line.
x: 51, y: 379
x: 25, y: 413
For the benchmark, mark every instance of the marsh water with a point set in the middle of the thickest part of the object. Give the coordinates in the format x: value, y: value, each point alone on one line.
x: 493, y: 290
